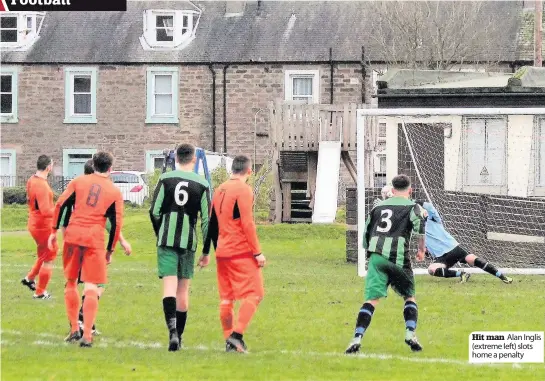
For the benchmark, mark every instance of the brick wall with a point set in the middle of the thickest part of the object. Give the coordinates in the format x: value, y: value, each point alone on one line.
x: 121, y: 111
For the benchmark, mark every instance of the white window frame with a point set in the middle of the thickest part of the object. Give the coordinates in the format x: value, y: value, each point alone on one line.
x: 74, y: 151
x: 496, y: 189
x: 69, y: 74
x: 14, y: 73
x: 151, y: 117
x: 180, y: 39
x: 11, y: 154
x: 26, y: 36
x: 289, y: 75
x: 151, y: 155
x: 539, y: 189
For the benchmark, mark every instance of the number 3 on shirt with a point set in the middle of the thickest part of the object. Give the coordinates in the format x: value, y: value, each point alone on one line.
x: 386, y: 215
x: 180, y: 195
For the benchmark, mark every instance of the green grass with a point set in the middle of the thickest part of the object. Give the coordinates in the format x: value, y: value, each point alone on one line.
x: 299, y: 331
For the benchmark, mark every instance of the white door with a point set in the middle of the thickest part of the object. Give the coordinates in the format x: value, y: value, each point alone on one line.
x: 6, y: 176
x: 76, y: 163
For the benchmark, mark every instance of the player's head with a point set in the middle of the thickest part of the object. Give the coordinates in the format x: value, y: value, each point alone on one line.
x: 386, y: 192
x: 185, y: 154
x: 401, y: 186
x: 44, y: 164
x: 102, y: 162
x: 88, y: 167
x: 242, y: 166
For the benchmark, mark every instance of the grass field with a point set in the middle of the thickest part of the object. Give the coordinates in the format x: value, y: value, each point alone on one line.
x: 299, y: 332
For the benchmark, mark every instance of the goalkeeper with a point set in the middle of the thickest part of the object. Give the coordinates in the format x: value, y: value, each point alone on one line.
x: 446, y: 251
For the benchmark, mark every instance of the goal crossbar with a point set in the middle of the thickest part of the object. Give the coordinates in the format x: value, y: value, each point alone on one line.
x: 362, y: 120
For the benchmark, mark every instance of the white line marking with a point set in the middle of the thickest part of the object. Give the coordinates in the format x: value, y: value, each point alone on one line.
x: 519, y: 238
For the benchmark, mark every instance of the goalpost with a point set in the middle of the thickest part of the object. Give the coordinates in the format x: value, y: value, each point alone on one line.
x: 482, y: 168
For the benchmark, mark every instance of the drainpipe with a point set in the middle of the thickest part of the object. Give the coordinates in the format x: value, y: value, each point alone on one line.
x: 363, y: 74
x: 331, y: 75
x: 225, y: 109
x: 211, y: 68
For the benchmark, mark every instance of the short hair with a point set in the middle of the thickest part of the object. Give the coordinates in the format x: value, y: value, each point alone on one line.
x: 43, y: 162
x: 102, y: 161
x: 88, y: 167
x: 185, y: 153
x: 241, y: 164
x: 401, y: 182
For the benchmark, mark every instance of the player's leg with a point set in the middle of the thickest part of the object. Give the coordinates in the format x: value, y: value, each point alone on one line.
x: 93, y: 273
x: 448, y: 260
x: 440, y: 270
x: 28, y: 281
x: 227, y: 300
x: 71, y: 265
x: 473, y: 260
x: 247, y: 280
x: 402, y: 282
x: 376, y: 287
x: 167, y: 263
x: 185, y: 274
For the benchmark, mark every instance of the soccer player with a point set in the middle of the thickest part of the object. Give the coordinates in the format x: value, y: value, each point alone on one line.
x: 388, y: 231
x: 179, y: 197
x: 88, y: 170
x: 93, y: 199
x: 446, y: 251
x: 40, y: 216
x: 238, y: 254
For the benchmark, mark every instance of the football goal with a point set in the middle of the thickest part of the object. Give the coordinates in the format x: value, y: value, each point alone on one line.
x: 482, y: 168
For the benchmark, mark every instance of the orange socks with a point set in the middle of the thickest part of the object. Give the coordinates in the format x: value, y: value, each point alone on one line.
x: 71, y: 300
x: 35, y: 269
x: 90, y: 309
x: 226, y: 317
x: 43, y: 279
x: 246, y: 312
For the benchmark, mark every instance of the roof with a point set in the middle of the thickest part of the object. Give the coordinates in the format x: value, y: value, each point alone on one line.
x: 283, y: 31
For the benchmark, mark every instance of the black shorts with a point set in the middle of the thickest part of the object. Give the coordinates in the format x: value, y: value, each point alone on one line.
x: 452, y: 257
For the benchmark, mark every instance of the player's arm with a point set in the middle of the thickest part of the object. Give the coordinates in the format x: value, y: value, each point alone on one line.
x: 45, y: 204
x: 245, y: 205
x: 156, y: 205
x: 432, y: 212
x: 213, y: 231
x: 122, y: 241
x: 205, y: 212
x: 419, y: 228
x: 114, y: 213
x: 64, y: 204
x: 367, y: 233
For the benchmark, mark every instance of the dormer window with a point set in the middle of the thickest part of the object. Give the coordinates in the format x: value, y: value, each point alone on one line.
x: 169, y: 29
x: 19, y: 30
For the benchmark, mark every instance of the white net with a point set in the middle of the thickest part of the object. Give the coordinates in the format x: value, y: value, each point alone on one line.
x: 483, y: 175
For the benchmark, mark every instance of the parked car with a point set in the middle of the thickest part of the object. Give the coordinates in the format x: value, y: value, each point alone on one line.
x: 132, y: 184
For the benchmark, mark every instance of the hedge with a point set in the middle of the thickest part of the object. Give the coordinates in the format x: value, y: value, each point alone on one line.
x: 15, y: 195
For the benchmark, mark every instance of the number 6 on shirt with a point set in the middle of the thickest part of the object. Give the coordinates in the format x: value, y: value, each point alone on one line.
x: 178, y: 191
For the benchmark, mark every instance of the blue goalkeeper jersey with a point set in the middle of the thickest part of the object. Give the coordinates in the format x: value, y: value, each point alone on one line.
x: 438, y: 240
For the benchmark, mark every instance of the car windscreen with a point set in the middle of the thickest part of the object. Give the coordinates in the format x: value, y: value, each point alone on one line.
x: 124, y: 178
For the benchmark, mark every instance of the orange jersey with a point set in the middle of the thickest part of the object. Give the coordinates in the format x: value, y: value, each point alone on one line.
x: 85, y: 205
x: 232, y: 228
x: 40, y: 203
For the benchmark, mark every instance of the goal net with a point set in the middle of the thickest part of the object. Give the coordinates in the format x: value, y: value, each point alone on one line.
x: 482, y: 169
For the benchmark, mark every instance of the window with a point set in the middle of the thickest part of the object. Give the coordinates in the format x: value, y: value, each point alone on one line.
x: 8, y: 175
x: 80, y: 95
x: 154, y: 160
x: 302, y: 86
x: 380, y: 170
x: 8, y: 94
x: 73, y: 161
x: 169, y: 29
x: 485, y: 155
x: 162, y: 95
x: 19, y: 30
x: 382, y: 130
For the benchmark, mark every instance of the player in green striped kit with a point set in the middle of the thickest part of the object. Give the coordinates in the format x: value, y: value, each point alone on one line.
x: 388, y: 231
x: 179, y: 197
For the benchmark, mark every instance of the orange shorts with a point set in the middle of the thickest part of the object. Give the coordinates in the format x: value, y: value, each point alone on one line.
x: 41, y: 237
x: 90, y: 261
x: 239, y: 278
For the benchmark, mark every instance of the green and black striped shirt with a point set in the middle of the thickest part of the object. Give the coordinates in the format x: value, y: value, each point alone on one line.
x: 177, y: 201
x: 389, y: 228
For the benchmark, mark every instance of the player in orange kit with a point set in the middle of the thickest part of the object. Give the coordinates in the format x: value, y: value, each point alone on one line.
x: 238, y: 254
x: 93, y: 199
x: 41, y: 207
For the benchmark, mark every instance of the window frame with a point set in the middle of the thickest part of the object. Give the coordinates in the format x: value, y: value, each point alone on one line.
x: 69, y: 74
x: 485, y: 189
x: 151, y: 117
x: 17, y: 17
x: 539, y: 189
x: 180, y: 39
x: 289, y: 75
x: 11, y: 154
x: 151, y: 155
x: 26, y: 36
x: 74, y: 151
x: 13, y: 117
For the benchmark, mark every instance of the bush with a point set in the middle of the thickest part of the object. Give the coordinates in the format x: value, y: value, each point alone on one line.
x: 15, y: 195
